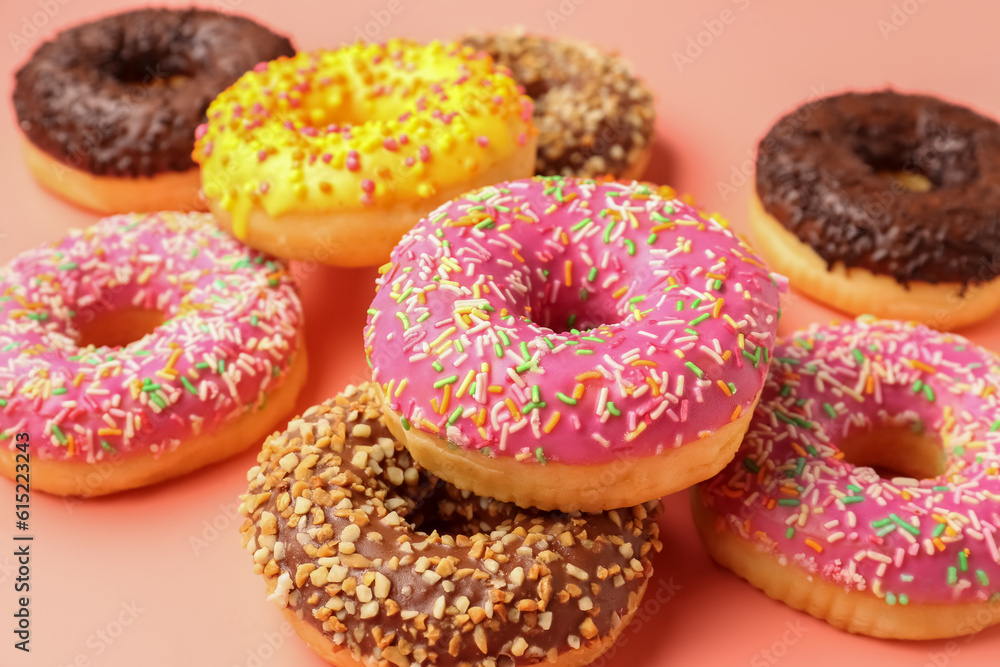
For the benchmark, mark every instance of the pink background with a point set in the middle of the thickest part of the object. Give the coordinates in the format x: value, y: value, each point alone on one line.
x: 156, y: 577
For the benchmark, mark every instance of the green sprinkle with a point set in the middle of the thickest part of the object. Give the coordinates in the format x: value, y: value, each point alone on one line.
x: 155, y: 398
x: 404, y: 319
x: 37, y: 316
x: 952, y: 576
x: 580, y: 225
x: 858, y: 355
x: 150, y: 386
x: 405, y: 422
x: 107, y: 446
x: 592, y: 274
x: 651, y: 239
x: 568, y: 400
x: 790, y: 533
x: 613, y: 409
x: 187, y: 385
x: 929, y: 393
x: 443, y: 381
x: 222, y: 366
x: 68, y: 266
x: 786, y: 390
x: 847, y: 500
x: 504, y: 337
x: 582, y: 351
x: 373, y: 311
x: 983, y: 579
x: 540, y: 455
x: 941, y: 488
x: 905, y: 525
x: 890, y: 599
x: 995, y: 427
x: 878, y: 523
x: 3, y: 403
x: 963, y: 561
x: 548, y: 341
x: 829, y: 410
x: 882, y: 532
x: 698, y: 320
x: 59, y: 391
x: 571, y: 319
x: 454, y: 416
x: 800, y: 465
x: 791, y: 502
x: 437, y: 366
x: 694, y: 369
x: 608, y: 229
x: 788, y: 361
x: 498, y: 350
x: 938, y: 529
x: 751, y: 465
x: 903, y: 599
x: 630, y: 244
x: 917, y: 386
x: 59, y: 434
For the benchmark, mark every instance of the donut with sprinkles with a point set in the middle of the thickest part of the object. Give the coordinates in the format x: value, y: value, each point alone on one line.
x: 142, y: 348
x: 571, y: 344
x: 330, y: 156
x: 867, y: 490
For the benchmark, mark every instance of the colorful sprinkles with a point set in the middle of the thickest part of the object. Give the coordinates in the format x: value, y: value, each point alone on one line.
x: 904, y: 540
x: 653, y: 357
x: 232, y: 323
x: 364, y: 125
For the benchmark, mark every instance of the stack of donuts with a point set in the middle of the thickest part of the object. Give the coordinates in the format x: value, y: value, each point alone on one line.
x: 553, y: 344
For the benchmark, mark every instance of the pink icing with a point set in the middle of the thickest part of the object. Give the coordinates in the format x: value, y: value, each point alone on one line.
x: 233, y: 323
x: 650, y: 324
x: 904, y: 540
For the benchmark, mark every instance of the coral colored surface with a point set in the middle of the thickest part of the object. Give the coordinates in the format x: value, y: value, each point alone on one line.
x: 156, y: 577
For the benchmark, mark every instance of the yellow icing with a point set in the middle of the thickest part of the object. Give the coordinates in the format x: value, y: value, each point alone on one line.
x: 394, y: 95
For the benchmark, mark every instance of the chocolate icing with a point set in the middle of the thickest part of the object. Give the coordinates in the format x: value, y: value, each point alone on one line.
x: 122, y: 96
x: 823, y: 173
x: 593, y: 115
x: 467, y: 580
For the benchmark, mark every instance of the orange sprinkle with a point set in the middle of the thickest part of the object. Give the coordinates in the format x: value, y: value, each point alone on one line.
x: 620, y: 292
x: 78, y: 379
x: 579, y: 389
x: 870, y: 385
x: 717, y: 310
x: 798, y: 449
x: 429, y: 425
x: 108, y: 431
x: 446, y: 401
x: 736, y: 413
x: 724, y: 387
x: 814, y: 544
x: 568, y: 272
x: 635, y: 434
x: 919, y: 365
x: 514, y: 412
x: 938, y: 543
x: 552, y: 422
x: 644, y: 362
x: 655, y: 388
x: 589, y: 375
x: 517, y: 255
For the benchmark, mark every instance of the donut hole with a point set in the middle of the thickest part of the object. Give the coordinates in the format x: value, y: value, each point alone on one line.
x: 118, y: 328
x: 895, y: 450
x: 934, y: 158
x: 572, y: 314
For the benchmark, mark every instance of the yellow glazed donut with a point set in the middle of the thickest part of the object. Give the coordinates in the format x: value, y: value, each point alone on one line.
x: 331, y: 156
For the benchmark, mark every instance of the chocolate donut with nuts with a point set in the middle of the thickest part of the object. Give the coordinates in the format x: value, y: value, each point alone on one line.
x: 375, y: 561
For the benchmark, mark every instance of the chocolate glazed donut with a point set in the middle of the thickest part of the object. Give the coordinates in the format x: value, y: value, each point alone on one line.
x: 122, y: 96
x: 825, y: 173
x: 375, y: 561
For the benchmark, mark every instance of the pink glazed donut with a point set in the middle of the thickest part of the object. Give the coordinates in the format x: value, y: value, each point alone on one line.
x: 140, y: 349
x: 866, y: 491
x: 571, y: 344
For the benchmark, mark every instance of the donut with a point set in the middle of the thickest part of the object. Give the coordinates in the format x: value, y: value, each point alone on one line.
x: 142, y: 348
x: 594, y: 116
x: 376, y: 562
x: 331, y: 156
x: 605, y: 335
x: 884, y: 203
x: 108, y: 109
x: 866, y: 491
